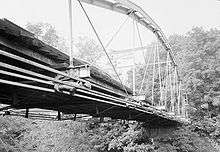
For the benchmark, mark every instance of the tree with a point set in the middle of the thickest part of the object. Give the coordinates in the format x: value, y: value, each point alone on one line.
x: 89, y: 50
x: 198, y: 54
x: 48, y: 34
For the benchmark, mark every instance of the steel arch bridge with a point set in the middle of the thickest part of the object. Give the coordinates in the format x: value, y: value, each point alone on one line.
x: 36, y: 75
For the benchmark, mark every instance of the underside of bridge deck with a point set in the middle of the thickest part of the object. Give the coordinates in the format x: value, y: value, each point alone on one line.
x: 28, y: 79
x: 22, y: 98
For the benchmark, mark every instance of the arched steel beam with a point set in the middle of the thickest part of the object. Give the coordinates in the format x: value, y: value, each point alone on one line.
x: 127, y: 7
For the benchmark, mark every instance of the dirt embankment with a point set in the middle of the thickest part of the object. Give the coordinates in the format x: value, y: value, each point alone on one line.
x: 20, y: 134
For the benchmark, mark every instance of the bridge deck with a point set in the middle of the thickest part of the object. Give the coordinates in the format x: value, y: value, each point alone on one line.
x: 82, y: 104
x: 28, y: 68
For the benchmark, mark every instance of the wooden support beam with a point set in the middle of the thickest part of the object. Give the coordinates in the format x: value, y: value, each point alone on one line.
x: 101, y: 119
x: 58, y: 115
x: 26, y: 112
x: 74, y: 118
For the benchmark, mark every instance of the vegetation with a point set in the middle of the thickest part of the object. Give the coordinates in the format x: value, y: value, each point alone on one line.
x: 114, y: 136
x: 48, y: 34
x: 198, y: 54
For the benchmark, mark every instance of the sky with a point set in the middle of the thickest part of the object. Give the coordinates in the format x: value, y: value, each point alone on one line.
x: 173, y: 16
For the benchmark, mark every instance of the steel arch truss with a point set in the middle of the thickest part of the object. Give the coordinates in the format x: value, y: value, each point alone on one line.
x: 127, y: 7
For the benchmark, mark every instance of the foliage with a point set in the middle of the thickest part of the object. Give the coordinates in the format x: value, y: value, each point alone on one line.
x: 198, y: 52
x: 89, y: 50
x: 48, y: 34
x: 112, y: 136
x: 200, y: 136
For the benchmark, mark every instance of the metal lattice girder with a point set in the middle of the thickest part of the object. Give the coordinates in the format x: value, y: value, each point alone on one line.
x: 126, y: 7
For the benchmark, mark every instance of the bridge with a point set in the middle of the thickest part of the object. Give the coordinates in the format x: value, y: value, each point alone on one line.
x: 36, y: 75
